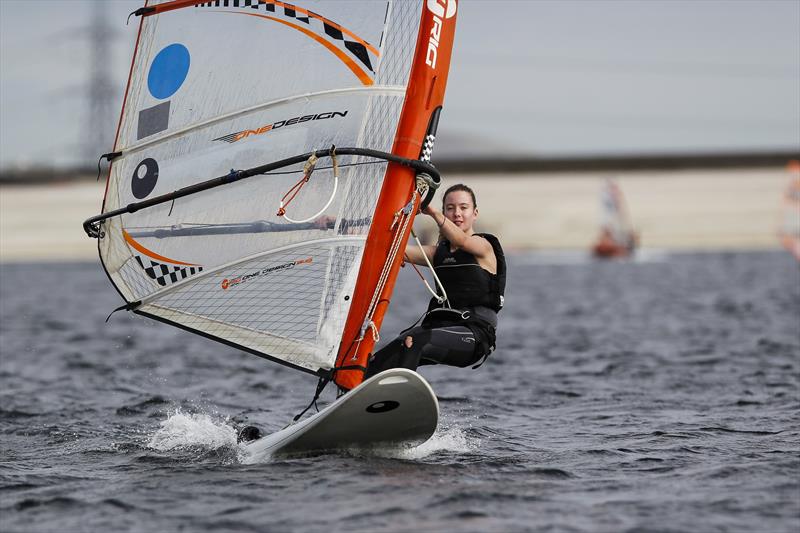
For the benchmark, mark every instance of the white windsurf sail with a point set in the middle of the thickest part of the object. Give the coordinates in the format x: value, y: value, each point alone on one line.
x: 212, y: 220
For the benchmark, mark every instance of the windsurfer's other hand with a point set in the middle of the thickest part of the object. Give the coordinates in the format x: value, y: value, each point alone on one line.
x: 430, y: 211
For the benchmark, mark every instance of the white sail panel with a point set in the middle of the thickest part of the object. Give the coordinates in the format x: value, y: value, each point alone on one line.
x: 216, y: 88
x: 269, y: 303
x: 209, y: 61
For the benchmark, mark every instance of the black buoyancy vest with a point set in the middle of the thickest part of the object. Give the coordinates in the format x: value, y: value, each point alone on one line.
x: 467, y: 284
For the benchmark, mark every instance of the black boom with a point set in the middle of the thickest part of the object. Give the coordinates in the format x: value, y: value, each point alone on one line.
x: 92, y: 225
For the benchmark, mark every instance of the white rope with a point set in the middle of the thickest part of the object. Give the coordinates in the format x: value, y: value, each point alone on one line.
x: 405, y: 215
x: 423, y: 186
x: 388, y: 266
x: 376, y: 336
x: 307, y: 170
x: 443, y: 297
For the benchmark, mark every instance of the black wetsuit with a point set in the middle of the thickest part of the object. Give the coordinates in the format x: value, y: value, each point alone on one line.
x: 460, y: 336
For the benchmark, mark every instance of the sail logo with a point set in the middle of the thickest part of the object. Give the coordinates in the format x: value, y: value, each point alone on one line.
x: 441, y: 9
x: 228, y: 283
x: 239, y: 135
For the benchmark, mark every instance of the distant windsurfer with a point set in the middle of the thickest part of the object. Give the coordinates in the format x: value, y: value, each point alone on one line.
x: 617, y: 237
x: 608, y: 246
x: 461, y: 330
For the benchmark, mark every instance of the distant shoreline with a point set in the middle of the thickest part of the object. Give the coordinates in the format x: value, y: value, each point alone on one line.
x: 524, y: 165
x: 729, y: 209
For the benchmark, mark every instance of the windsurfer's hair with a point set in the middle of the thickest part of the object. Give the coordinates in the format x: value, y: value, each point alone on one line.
x: 460, y: 187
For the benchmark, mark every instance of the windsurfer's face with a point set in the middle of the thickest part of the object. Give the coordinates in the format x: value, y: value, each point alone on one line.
x: 460, y: 210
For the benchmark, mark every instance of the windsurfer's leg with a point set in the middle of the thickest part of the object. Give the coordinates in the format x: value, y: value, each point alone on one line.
x: 450, y: 345
x: 399, y: 353
x: 446, y: 345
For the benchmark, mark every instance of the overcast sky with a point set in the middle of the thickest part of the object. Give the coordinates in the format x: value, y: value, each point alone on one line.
x: 539, y: 77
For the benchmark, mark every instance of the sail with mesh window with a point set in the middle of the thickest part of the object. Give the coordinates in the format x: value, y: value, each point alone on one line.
x: 225, y: 85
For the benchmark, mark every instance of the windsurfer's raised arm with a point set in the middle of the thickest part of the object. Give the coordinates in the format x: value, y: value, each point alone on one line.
x: 414, y: 254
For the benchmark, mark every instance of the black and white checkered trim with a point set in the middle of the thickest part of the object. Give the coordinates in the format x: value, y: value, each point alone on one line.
x: 165, y: 274
x: 330, y: 28
x: 427, y: 148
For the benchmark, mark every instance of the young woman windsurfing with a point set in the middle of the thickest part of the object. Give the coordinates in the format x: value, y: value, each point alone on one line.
x: 459, y: 328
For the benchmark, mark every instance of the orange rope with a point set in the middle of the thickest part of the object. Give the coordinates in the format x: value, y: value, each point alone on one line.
x: 293, y: 192
x: 417, y: 270
x: 308, y: 168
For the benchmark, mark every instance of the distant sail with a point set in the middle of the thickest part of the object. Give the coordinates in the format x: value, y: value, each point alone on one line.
x: 789, y: 231
x: 220, y: 86
x: 617, y: 237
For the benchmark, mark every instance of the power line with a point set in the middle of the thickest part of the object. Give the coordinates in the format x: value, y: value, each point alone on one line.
x: 101, y: 94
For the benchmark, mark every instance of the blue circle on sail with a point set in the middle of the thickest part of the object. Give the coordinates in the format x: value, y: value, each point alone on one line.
x: 168, y: 71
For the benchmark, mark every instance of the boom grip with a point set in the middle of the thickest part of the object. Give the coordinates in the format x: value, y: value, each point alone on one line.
x: 433, y: 183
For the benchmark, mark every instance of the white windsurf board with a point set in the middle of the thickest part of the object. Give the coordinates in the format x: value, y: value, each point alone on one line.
x: 394, y: 408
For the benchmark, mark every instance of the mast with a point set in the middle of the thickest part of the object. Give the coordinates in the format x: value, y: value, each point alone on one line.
x: 415, y: 134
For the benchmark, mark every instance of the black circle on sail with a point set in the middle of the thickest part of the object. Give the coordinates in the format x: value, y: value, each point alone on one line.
x: 144, y: 178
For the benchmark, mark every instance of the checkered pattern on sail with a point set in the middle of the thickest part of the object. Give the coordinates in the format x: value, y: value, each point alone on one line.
x: 315, y: 22
x: 164, y: 273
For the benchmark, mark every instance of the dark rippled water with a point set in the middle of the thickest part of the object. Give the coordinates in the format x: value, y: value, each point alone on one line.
x: 658, y: 395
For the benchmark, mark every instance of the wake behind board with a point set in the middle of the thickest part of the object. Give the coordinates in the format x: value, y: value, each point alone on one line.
x: 394, y: 408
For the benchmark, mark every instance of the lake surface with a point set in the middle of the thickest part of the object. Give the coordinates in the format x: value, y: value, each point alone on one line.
x: 655, y: 395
